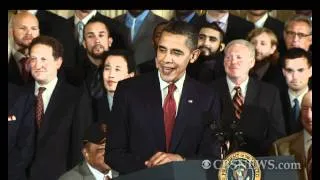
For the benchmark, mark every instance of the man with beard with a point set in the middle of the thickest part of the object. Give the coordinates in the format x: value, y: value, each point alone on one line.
x: 266, y: 67
x: 96, y: 40
x: 25, y: 27
x: 209, y: 65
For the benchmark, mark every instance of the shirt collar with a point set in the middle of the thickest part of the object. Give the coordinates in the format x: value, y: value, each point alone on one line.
x: 31, y: 11
x: 261, y: 21
x: 97, y: 174
x: 223, y: 19
x: 49, y: 87
x: 243, y: 86
x: 292, y: 96
x: 86, y: 19
x: 16, y: 54
x: 189, y: 17
x: 179, y: 83
x: 141, y: 17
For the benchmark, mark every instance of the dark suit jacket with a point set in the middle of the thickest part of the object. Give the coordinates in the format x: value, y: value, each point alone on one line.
x: 142, y: 43
x: 55, y: 140
x: 137, y: 131
x: 261, y: 120
x: 20, y: 136
x: 207, y: 70
x: 237, y: 28
x: 292, y: 125
x: 194, y: 20
x: 82, y: 171
x: 101, y: 111
x: 147, y: 66
x: 14, y: 75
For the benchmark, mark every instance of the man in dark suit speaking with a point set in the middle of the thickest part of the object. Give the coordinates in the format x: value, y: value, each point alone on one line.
x: 157, y: 117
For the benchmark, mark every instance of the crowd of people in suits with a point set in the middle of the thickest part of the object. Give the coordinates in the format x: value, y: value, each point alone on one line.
x: 95, y: 97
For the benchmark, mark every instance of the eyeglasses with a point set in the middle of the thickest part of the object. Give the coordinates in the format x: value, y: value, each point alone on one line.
x: 300, y: 35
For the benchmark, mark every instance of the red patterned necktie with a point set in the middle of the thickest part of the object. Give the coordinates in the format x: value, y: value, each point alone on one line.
x: 238, y: 102
x: 24, y: 68
x: 169, y: 110
x: 309, y: 163
x: 39, y: 107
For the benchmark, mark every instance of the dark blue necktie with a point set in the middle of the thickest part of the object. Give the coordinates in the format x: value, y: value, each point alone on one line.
x: 296, y: 109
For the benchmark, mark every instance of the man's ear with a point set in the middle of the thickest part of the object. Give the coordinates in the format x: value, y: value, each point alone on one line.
x: 221, y: 47
x: 194, y: 55
x: 110, y: 41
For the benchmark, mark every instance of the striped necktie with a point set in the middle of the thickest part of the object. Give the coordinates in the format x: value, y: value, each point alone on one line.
x: 238, y: 102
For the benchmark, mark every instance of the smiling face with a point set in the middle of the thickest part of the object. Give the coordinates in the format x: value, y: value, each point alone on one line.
x: 115, y: 70
x: 173, y: 56
x: 237, y: 62
x: 44, y: 67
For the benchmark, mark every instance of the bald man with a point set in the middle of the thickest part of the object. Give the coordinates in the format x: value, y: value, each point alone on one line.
x: 25, y: 27
x: 298, y: 144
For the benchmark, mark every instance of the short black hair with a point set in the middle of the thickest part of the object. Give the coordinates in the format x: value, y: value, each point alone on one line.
x: 213, y: 26
x: 294, y: 53
x: 126, y: 54
x: 185, y: 29
x: 57, y: 47
x: 97, y: 20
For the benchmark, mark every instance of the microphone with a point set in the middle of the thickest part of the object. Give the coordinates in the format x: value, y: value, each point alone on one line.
x: 237, y: 139
x: 217, y: 132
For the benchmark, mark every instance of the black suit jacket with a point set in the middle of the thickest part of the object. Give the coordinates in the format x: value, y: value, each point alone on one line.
x: 261, y: 120
x: 20, y: 136
x: 142, y: 42
x: 14, y: 74
x: 292, y: 125
x: 136, y: 131
x: 147, y: 66
x: 55, y: 138
x: 237, y: 28
x: 194, y: 20
x: 101, y: 110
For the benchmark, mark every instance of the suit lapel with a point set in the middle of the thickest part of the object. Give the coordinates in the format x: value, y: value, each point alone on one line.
x: 85, y: 171
x: 56, y: 100
x: 227, y: 107
x: 184, y: 113
x: 252, y: 91
x: 154, y: 104
x: 144, y: 26
x: 297, y: 148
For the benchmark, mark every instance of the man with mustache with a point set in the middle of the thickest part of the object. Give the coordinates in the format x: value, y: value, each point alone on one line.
x: 297, y: 70
x: 209, y: 65
x: 25, y: 27
x: 96, y: 40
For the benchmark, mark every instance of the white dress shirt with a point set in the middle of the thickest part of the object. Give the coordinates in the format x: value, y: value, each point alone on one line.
x: 223, y: 21
x: 86, y: 19
x: 46, y: 95
x: 292, y: 96
x: 97, y: 174
x: 177, y: 93
x: 243, y: 87
x: 261, y: 21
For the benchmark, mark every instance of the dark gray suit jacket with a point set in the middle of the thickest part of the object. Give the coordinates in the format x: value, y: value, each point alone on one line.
x: 261, y: 120
x: 82, y: 172
x: 142, y: 43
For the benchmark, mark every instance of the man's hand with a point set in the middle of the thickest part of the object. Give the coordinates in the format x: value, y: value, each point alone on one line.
x: 162, y: 158
x: 11, y: 118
